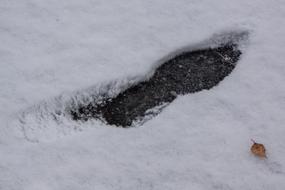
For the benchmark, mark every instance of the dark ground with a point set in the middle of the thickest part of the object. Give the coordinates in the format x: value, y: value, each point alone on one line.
x: 188, y: 72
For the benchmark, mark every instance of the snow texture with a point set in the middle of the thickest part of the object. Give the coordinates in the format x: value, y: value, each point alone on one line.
x: 53, y: 53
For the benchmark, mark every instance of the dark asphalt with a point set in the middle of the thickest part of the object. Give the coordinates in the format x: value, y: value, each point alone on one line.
x: 186, y: 73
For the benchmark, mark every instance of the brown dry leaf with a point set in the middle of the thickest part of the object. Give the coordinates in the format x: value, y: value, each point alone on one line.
x: 258, y: 149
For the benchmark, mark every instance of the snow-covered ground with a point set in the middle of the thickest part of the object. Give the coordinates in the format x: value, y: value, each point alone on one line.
x: 51, y: 51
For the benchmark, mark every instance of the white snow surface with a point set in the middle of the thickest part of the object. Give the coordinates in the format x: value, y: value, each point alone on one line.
x: 54, y: 51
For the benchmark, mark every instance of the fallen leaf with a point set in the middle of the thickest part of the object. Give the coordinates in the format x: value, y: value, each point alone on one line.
x: 258, y: 149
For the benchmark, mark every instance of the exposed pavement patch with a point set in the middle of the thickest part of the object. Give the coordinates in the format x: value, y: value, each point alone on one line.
x: 187, y: 72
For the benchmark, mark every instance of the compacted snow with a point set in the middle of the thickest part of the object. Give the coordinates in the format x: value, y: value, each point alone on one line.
x: 54, y: 54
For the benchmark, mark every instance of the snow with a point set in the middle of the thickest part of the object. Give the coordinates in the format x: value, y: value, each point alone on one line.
x: 54, y: 51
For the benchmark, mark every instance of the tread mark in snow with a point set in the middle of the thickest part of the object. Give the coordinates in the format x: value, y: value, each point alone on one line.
x: 188, y: 72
